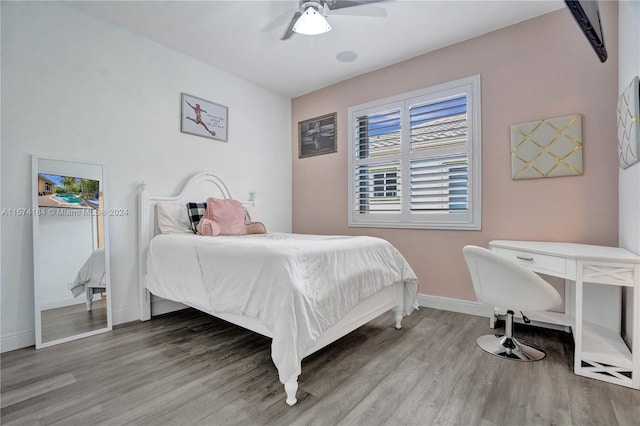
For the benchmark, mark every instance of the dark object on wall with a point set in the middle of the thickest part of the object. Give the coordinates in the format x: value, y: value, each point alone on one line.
x: 587, y: 16
x: 317, y: 136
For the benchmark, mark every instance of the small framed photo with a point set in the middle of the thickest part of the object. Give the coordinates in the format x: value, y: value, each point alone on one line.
x: 317, y: 136
x: 203, y: 118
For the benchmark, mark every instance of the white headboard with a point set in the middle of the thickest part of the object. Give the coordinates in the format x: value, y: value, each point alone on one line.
x: 198, y: 188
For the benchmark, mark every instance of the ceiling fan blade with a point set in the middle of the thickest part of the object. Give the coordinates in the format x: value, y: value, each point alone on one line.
x: 341, y: 4
x: 289, y: 32
x: 278, y: 22
x: 364, y: 10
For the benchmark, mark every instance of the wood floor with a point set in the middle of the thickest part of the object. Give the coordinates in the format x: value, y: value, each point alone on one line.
x: 73, y: 320
x: 188, y: 368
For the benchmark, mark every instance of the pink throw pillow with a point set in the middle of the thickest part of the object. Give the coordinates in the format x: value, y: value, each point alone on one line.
x: 208, y: 227
x: 256, y: 228
x: 228, y: 215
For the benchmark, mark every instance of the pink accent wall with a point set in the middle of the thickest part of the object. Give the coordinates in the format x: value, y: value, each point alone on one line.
x: 541, y: 68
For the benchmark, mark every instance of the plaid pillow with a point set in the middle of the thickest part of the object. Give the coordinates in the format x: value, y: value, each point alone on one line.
x: 195, y: 211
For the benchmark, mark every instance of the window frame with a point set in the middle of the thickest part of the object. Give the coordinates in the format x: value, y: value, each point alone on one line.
x: 472, y: 219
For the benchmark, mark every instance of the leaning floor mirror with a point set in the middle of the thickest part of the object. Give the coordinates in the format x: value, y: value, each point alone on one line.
x: 72, y: 290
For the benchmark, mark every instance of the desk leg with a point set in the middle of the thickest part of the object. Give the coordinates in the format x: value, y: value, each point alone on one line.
x: 569, y: 298
x: 577, y: 329
x: 635, y: 374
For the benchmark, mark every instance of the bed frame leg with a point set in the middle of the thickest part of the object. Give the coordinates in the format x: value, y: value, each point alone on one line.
x: 89, y: 292
x: 398, y: 311
x: 291, y: 387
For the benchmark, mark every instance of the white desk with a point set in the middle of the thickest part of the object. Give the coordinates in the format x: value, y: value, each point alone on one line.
x: 600, y: 352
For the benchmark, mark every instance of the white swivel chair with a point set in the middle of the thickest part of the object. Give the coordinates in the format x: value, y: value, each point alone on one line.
x: 502, y: 283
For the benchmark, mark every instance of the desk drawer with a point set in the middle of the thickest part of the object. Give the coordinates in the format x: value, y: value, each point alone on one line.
x: 535, y: 261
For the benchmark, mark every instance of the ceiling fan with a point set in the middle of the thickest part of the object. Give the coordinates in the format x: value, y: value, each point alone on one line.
x: 310, y: 18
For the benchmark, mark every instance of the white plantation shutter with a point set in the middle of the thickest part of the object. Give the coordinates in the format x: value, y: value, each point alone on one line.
x: 379, y: 188
x: 415, y: 159
x: 378, y: 152
x: 378, y: 134
x: 439, y: 160
x: 440, y: 185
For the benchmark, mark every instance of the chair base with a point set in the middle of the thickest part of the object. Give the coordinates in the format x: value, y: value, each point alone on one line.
x: 515, y: 349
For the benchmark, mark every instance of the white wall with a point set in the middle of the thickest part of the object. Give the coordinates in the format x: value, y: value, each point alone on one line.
x: 629, y: 179
x: 77, y: 88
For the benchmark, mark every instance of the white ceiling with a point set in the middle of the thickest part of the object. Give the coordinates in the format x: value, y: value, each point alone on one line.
x: 231, y: 36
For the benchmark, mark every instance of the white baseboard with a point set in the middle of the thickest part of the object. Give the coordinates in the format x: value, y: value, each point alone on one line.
x: 163, y: 306
x: 455, y: 305
x: 18, y: 340
x: 474, y: 308
x: 127, y: 315
x: 68, y: 302
x: 24, y: 339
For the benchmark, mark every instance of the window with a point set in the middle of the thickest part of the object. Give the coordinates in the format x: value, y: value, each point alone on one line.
x: 414, y: 159
x: 385, y: 184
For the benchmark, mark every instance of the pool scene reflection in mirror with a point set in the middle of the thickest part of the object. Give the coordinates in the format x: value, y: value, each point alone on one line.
x: 67, y: 192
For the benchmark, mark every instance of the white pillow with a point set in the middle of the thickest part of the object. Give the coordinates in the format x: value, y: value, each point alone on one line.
x: 173, y: 218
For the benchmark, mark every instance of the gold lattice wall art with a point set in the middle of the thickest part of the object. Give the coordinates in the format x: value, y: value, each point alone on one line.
x: 547, y: 148
x: 629, y: 125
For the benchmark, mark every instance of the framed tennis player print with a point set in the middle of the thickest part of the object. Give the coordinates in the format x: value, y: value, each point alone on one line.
x: 203, y: 118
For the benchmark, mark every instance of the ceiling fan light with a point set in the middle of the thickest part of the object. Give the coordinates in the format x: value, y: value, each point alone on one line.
x: 311, y: 22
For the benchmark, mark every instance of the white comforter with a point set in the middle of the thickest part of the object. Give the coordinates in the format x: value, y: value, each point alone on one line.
x: 92, y: 272
x: 297, y: 285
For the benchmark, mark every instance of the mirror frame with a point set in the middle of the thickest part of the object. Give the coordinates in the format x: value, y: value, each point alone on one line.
x: 37, y: 273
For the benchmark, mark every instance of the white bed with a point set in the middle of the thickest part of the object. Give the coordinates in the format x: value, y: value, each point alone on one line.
x: 303, y: 291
